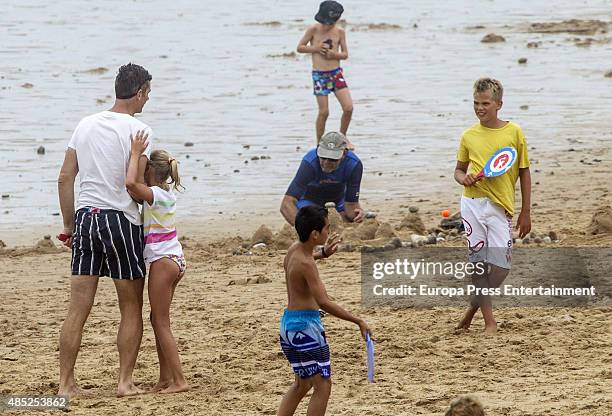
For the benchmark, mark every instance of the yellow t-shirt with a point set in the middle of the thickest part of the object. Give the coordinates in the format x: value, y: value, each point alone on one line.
x: 477, y: 145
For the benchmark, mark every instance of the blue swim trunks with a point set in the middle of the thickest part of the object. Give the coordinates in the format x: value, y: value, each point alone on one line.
x: 302, y: 339
x: 326, y: 82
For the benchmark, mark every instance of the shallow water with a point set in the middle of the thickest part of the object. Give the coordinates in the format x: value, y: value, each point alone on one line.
x: 215, y: 85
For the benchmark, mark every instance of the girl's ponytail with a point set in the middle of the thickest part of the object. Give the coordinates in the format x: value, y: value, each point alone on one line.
x: 176, y: 180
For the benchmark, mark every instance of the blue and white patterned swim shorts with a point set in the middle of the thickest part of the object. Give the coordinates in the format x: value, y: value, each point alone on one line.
x: 302, y: 339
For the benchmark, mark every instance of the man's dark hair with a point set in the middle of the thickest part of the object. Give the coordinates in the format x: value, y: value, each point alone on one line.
x: 130, y: 79
x: 308, y: 219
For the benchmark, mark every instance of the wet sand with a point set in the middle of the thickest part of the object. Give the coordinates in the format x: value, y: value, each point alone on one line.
x: 569, y: 184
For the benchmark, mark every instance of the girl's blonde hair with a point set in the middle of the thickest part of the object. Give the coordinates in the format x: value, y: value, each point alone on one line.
x: 465, y: 406
x: 165, y: 167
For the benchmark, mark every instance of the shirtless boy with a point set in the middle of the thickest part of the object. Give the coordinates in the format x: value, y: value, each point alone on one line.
x: 327, y: 44
x: 302, y: 336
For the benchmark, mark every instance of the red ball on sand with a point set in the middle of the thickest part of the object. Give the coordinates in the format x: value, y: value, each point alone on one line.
x: 445, y: 213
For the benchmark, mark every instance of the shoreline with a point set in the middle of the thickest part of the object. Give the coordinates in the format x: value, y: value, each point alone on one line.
x: 571, y: 223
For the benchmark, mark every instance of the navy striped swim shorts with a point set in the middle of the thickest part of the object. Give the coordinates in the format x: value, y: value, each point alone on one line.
x: 106, y: 243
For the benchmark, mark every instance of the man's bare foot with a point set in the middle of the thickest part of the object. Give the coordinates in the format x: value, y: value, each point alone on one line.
x: 128, y: 390
x: 74, y: 391
x: 161, y: 384
x: 175, y: 388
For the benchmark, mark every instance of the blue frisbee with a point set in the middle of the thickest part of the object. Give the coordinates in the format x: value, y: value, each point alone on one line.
x: 370, y: 348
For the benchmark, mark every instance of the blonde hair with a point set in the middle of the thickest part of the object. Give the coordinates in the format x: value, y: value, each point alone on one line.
x: 486, y: 84
x: 465, y: 406
x: 165, y: 166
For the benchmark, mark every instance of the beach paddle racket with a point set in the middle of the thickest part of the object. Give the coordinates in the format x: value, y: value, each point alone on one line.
x: 499, y: 163
x: 370, y: 349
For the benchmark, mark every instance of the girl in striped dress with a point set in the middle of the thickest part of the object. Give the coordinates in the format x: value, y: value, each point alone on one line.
x: 162, y: 251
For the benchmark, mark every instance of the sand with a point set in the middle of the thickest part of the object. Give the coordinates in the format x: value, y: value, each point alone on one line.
x: 543, y: 360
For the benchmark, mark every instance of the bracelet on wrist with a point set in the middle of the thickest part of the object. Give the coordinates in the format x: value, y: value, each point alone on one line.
x: 323, y: 253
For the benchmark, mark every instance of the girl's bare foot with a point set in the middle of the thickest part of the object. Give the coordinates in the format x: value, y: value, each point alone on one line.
x: 464, y: 324
x: 161, y: 384
x: 175, y: 388
x: 490, y: 330
x: 467, y: 319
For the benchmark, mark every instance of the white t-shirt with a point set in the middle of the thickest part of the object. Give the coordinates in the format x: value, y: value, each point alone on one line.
x: 161, y: 239
x: 102, y: 144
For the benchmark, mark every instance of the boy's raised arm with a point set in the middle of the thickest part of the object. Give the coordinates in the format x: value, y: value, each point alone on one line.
x: 317, y: 289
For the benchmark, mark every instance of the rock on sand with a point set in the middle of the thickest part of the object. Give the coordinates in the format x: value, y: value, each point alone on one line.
x: 493, y: 38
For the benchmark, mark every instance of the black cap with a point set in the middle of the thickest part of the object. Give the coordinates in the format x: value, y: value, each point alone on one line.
x: 329, y: 12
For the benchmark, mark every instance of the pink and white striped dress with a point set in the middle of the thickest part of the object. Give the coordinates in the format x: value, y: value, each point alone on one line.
x: 161, y: 239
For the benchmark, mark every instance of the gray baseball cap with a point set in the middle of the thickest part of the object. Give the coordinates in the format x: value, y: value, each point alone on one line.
x: 332, y: 145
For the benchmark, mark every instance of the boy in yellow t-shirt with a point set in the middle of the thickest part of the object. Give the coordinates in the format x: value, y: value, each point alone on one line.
x: 487, y: 204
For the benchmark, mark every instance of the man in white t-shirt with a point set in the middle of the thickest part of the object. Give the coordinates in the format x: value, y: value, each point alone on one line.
x: 105, y: 233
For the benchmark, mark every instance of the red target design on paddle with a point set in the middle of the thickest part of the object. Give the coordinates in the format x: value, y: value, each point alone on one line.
x: 499, y: 163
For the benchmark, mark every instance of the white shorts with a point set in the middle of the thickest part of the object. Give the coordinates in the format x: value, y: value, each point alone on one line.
x: 489, y: 231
